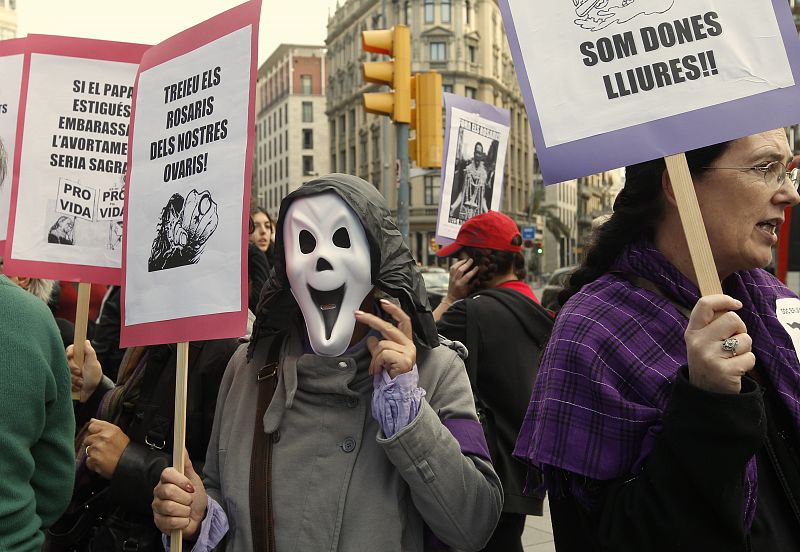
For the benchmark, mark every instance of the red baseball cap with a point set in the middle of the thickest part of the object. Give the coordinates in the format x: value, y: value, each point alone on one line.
x: 489, y: 230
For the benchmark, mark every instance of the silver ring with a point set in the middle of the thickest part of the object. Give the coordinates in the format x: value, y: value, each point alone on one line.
x: 729, y: 345
x: 87, y: 450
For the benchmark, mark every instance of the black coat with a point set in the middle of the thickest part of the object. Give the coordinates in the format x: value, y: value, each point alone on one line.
x: 690, y: 493
x: 511, y: 331
x: 148, y: 421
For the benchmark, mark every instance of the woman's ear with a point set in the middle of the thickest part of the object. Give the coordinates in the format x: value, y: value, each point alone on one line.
x: 666, y: 187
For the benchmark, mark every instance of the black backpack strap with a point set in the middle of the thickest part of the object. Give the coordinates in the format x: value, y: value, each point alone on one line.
x: 265, y: 358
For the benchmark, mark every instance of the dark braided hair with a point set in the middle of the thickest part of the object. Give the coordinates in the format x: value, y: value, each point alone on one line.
x: 637, y: 211
x: 493, y: 262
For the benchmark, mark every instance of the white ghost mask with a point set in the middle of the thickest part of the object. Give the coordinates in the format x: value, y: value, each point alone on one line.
x: 328, y: 267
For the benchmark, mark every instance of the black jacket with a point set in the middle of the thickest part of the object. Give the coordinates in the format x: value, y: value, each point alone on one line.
x: 510, y: 330
x: 690, y: 493
x: 148, y: 421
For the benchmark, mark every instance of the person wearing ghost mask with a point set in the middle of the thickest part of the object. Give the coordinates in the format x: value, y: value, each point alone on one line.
x: 375, y: 439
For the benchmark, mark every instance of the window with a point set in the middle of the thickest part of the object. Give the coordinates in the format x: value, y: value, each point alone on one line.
x: 467, y: 13
x: 305, y: 85
x: 308, y: 165
x: 438, y: 51
x: 445, y: 11
x: 308, y: 112
x: 472, y: 54
x: 447, y: 88
x: 286, y: 112
x: 496, y: 66
x: 431, y: 190
x: 308, y: 138
x: 407, y: 12
x: 470, y: 92
x: 429, y: 15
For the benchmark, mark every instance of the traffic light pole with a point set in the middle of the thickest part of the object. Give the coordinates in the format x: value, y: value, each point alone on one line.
x: 403, y: 191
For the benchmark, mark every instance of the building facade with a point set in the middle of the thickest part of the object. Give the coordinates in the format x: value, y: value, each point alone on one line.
x: 465, y: 42
x: 8, y: 19
x: 291, y: 126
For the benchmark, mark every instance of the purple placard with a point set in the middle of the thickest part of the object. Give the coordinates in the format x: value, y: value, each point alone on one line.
x: 489, y: 120
x: 665, y: 136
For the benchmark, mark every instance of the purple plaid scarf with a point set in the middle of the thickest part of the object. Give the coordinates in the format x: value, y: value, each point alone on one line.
x: 614, y: 353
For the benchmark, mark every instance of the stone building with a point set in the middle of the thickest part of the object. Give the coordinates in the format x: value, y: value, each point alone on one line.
x: 465, y: 42
x: 8, y: 19
x: 291, y: 126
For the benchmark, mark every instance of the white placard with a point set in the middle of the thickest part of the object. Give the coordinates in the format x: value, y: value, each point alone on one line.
x: 10, y: 84
x: 74, y: 150
x: 470, y: 186
x: 185, y: 194
x: 628, y: 62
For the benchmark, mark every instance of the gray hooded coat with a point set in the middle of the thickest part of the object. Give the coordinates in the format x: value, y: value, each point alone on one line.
x: 338, y: 483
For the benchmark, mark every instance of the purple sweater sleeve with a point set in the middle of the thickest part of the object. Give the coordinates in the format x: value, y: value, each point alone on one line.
x: 395, y: 402
x: 213, y: 528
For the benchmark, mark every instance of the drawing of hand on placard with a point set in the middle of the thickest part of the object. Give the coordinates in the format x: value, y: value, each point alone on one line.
x: 63, y: 231
x: 596, y: 15
x: 185, y: 227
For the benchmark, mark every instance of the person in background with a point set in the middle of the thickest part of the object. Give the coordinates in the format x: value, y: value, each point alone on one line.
x: 125, y: 441
x: 46, y: 291
x: 263, y: 233
x: 36, y: 421
x: 371, y: 435
x: 663, y: 420
x: 490, y: 309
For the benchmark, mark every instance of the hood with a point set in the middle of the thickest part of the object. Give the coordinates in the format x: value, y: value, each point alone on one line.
x: 534, y: 319
x: 394, y: 271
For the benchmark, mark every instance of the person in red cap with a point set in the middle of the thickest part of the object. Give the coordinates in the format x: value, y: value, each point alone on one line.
x: 491, y: 310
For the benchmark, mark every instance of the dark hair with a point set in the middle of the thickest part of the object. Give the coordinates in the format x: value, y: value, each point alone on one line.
x: 258, y: 209
x: 492, y: 262
x: 638, y: 209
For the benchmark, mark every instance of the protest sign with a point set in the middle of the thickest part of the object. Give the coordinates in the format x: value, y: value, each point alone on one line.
x: 11, y: 59
x: 476, y: 139
x: 608, y: 84
x: 73, y: 139
x: 191, y: 147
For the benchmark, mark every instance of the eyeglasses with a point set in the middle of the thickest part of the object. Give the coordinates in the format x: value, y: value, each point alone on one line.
x: 774, y: 174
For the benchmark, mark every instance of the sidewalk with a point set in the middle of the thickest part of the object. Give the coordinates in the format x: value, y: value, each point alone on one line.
x: 538, y: 535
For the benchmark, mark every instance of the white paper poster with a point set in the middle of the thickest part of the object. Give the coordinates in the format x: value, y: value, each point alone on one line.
x: 183, y: 251
x: 10, y: 84
x: 74, y: 158
x: 596, y: 66
x: 472, y: 175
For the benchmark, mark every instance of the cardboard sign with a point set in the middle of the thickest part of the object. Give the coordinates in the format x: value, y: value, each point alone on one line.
x: 74, y: 142
x: 615, y: 82
x: 184, y: 256
x: 476, y: 139
x: 11, y: 60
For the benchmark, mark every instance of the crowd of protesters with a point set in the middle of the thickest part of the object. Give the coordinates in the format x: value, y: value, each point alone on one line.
x: 351, y: 416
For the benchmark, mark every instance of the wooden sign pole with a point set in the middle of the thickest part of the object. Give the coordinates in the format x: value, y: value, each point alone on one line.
x: 693, y: 227
x: 81, y: 325
x: 179, y: 427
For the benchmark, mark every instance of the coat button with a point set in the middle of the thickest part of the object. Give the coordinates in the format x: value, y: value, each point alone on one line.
x: 276, y: 436
x: 349, y: 445
x: 352, y: 402
x: 343, y: 365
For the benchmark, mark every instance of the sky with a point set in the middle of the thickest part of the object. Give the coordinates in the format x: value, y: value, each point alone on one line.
x: 151, y: 21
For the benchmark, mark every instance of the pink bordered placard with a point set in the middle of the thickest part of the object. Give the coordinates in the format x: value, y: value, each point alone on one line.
x: 12, y: 57
x: 65, y: 142
x: 184, y: 269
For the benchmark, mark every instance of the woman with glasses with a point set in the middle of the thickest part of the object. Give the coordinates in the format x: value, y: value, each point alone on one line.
x: 666, y: 421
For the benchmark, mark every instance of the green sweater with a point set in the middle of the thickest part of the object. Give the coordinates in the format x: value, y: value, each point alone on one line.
x: 37, y: 426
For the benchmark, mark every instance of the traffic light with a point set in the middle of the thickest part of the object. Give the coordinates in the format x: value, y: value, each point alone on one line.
x: 395, y: 42
x: 538, y: 247
x: 425, y: 149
